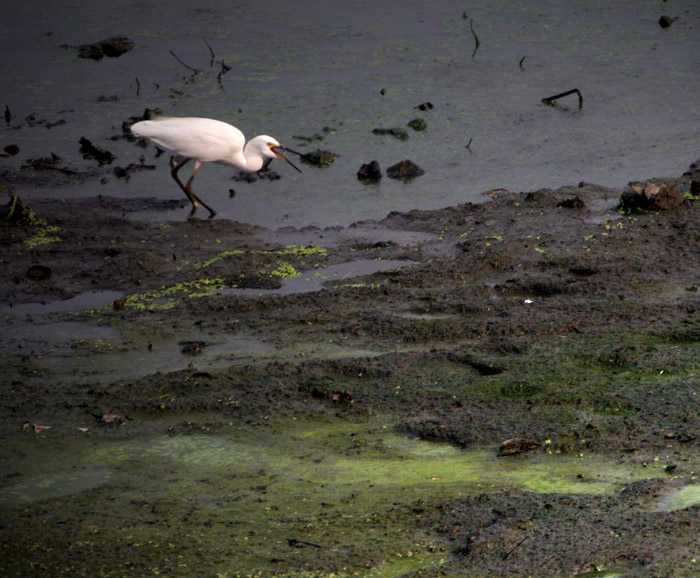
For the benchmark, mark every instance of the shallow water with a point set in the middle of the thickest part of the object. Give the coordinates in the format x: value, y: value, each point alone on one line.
x: 295, y: 70
x: 87, y: 300
x: 317, y: 279
x: 685, y: 497
x: 322, y: 461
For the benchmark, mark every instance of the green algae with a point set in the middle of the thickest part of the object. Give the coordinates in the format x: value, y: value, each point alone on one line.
x: 167, y: 298
x: 295, y: 251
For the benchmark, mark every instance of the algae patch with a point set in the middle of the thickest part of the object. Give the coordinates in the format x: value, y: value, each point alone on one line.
x: 168, y: 297
x: 45, y: 233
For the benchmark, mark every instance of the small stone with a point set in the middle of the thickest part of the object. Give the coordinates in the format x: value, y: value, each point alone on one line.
x: 396, y: 132
x: 665, y: 21
x: 418, y: 124
x: 319, y: 158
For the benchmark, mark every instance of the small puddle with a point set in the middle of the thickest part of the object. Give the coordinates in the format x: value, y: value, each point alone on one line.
x: 680, y: 499
x: 318, y: 279
x: 425, y: 316
x: 87, y: 300
x: 615, y: 572
x: 54, y: 485
x: 134, y: 363
x: 59, y: 332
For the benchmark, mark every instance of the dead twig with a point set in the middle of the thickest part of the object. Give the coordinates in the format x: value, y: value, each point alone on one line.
x: 195, y: 70
x: 514, y: 548
x: 224, y: 69
x: 550, y: 99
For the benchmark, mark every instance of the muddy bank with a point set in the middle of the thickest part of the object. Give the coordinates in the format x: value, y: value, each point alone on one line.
x: 548, y: 317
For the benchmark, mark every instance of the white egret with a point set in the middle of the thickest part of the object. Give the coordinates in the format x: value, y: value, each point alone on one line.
x: 208, y: 141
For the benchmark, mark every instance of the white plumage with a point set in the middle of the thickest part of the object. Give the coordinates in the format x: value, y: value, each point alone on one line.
x: 208, y: 141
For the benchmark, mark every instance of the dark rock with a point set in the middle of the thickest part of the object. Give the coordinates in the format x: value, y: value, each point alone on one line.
x: 110, y: 47
x: 515, y: 446
x: 693, y: 170
x: 370, y: 172
x: 425, y: 106
x: 573, y: 203
x: 43, y: 162
x: 582, y: 271
x: 192, y: 347
x: 11, y: 150
x: 695, y: 188
x: 124, y: 172
x: 650, y: 197
x: 38, y: 272
x: 405, y: 170
x: 90, y: 151
x: 398, y: 133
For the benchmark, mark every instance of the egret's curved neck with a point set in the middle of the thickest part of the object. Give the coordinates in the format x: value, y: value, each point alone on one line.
x: 251, y: 158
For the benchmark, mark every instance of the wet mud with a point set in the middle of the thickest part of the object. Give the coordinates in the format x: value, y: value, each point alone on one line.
x: 188, y: 416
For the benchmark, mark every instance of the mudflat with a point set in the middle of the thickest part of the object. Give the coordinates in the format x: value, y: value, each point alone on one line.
x: 498, y: 389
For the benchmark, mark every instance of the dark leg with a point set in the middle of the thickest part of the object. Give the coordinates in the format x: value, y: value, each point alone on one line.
x: 187, y: 189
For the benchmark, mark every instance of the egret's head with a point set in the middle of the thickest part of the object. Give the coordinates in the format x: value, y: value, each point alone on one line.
x: 274, y: 149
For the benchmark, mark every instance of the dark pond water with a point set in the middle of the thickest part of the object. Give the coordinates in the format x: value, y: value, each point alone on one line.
x: 298, y: 67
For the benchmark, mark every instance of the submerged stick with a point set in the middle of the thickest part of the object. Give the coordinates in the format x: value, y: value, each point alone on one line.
x: 476, y: 38
x: 211, y: 62
x: 550, y: 99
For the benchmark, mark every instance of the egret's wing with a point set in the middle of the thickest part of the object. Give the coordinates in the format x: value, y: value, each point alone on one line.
x: 203, y: 139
